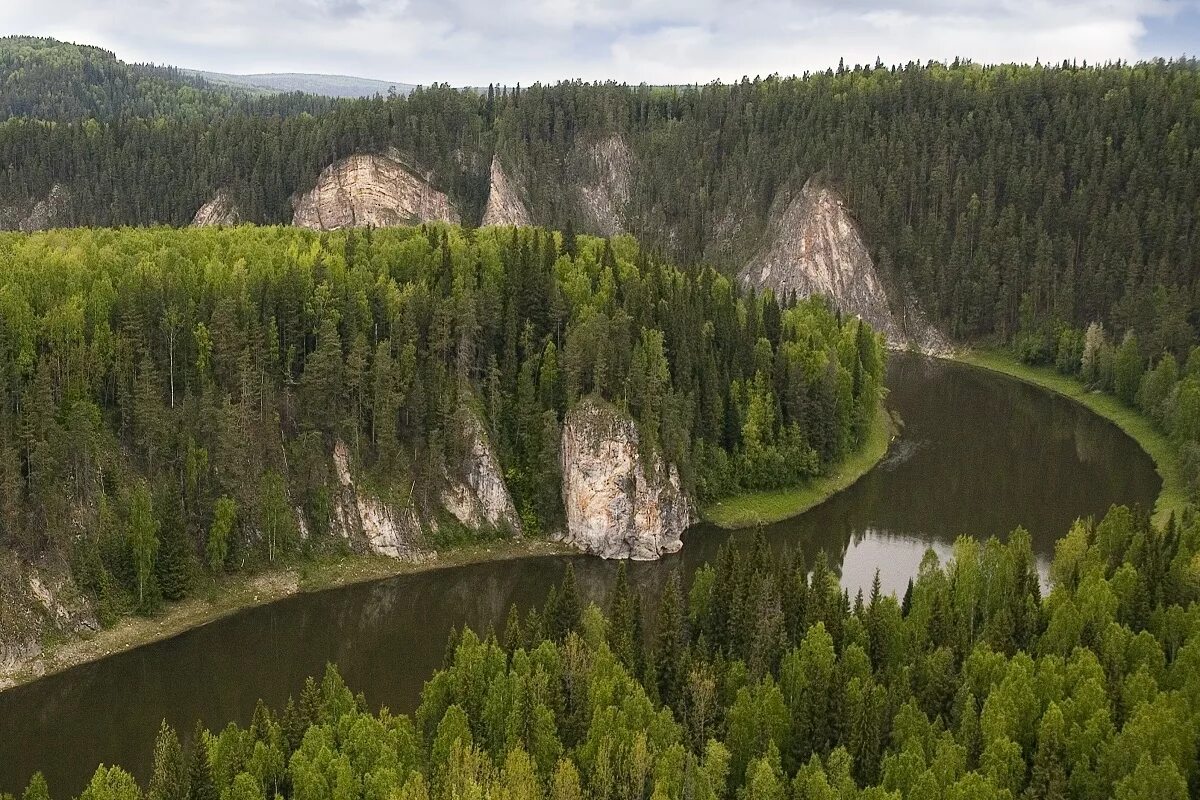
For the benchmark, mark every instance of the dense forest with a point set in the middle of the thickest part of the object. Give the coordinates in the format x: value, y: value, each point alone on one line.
x: 58, y: 82
x: 1005, y: 198
x: 763, y: 681
x: 169, y: 398
x: 1165, y: 389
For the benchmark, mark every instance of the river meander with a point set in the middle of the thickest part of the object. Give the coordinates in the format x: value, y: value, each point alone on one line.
x: 978, y: 454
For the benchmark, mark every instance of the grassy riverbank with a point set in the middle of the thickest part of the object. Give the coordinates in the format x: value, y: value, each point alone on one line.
x: 236, y: 592
x: 1173, y: 496
x: 746, y: 510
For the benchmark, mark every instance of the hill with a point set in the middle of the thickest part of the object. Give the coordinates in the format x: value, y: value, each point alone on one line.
x: 309, y: 83
x: 46, y: 79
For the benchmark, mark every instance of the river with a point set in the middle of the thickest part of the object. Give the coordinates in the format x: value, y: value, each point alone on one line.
x: 978, y: 454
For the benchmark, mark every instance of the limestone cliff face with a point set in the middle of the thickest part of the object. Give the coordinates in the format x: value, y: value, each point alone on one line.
x: 604, y: 175
x: 504, y: 204
x: 617, y: 505
x: 368, y: 523
x: 813, y: 246
x: 475, y: 491
x: 370, y: 189
x: 48, y: 212
x: 219, y: 210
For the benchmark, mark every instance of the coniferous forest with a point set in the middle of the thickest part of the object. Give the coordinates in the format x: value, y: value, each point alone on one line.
x: 761, y: 680
x: 1008, y: 199
x: 176, y: 393
x: 170, y: 399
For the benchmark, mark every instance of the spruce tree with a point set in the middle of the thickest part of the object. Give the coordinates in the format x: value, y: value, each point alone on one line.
x: 200, y: 778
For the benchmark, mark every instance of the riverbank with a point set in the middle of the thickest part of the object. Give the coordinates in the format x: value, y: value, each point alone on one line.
x: 748, y: 510
x: 1173, y: 496
x: 236, y: 592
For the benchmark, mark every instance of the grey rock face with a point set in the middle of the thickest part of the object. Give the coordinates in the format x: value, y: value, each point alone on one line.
x: 370, y: 189
x: 504, y: 205
x: 617, y: 505
x: 367, y: 522
x: 217, y: 211
x: 475, y: 492
x: 605, y: 178
x: 48, y: 212
x: 813, y: 246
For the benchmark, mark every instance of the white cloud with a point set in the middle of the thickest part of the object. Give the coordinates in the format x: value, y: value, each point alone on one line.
x: 672, y: 41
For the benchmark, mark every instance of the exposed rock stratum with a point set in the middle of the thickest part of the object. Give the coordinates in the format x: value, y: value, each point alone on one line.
x: 367, y: 522
x: 504, y: 205
x: 604, y: 170
x: 617, y: 504
x: 43, y: 214
x: 378, y: 190
x: 813, y: 246
x: 475, y: 492
x: 219, y: 210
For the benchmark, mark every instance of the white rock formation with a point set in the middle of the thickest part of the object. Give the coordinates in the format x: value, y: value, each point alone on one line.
x: 366, y: 521
x: 504, y: 205
x: 370, y: 189
x: 219, y: 210
x: 476, y: 493
x: 617, y: 506
x: 605, y: 179
x: 813, y: 246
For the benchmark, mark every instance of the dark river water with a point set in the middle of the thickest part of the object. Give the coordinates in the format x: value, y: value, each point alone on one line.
x: 979, y: 454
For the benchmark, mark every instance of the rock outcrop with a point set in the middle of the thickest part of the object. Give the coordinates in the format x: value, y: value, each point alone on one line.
x: 813, y: 246
x: 37, y: 600
x: 618, y: 506
x: 504, y: 204
x: 604, y: 171
x: 475, y: 492
x: 371, y: 189
x: 48, y: 212
x: 368, y: 523
x: 219, y: 210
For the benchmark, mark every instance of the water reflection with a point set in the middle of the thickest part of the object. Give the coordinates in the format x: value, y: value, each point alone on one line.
x: 979, y: 454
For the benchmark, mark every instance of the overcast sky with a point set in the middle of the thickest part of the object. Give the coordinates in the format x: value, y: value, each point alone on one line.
x: 474, y: 42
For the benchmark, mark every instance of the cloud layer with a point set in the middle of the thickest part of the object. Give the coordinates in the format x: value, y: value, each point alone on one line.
x: 664, y: 41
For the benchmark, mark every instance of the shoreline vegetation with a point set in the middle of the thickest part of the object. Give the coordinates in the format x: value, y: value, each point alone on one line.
x: 235, y: 593
x: 754, y: 508
x: 1173, y: 495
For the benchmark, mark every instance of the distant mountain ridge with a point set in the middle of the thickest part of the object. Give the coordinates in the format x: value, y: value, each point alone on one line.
x: 310, y: 83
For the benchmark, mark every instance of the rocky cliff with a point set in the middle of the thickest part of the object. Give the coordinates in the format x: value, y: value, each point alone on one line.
x: 504, y: 204
x: 813, y: 246
x: 43, y: 214
x: 368, y: 523
x: 618, y: 506
x: 370, y: 189
x: 37, y: 601
x: 475, y: 492
x: 219, y: 210
x: 603, y: 171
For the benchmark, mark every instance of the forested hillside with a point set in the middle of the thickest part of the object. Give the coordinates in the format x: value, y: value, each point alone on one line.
x: 44, y: 79
x: 169, y: 399
x: 1004, y: 198
x: 762, y: 681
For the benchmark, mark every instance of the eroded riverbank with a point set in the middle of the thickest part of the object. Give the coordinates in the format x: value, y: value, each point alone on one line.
x: 236, y: 593
x: 979, y: 454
